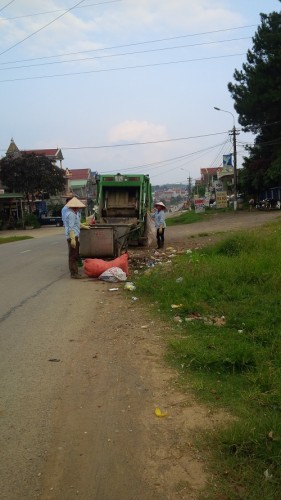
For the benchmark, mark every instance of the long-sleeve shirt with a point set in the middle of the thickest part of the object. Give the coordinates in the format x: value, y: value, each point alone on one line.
x: 159, y: 218
x: 64, y: 211
x: 71, y: 223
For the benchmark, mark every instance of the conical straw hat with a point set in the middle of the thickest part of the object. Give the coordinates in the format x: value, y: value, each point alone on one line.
x: 75, y: 203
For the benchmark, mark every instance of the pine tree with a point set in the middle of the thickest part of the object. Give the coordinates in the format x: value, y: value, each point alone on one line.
x: 257, y: 96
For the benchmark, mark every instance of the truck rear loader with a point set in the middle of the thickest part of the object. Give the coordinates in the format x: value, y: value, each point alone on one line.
x: 123, y: 201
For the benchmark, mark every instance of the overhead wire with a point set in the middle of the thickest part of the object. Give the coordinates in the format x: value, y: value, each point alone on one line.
x: 160, y: 49
x: 40, y: 29
x: 7, y: 5
x: 161, y: 163
x: 57, y: 10
x: 161, y: 141
x: 122, y: 68
x: 220, y: 152
x: 145, y: 42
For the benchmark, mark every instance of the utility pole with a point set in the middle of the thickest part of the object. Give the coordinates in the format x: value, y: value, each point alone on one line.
x: 189, y: 186
x: 234, y: 133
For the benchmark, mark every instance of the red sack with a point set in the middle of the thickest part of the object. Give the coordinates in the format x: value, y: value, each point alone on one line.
x: 95, y: 267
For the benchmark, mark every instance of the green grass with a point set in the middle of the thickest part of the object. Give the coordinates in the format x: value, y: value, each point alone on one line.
x: 10, y: 239
x: 187, y: 217
x: 237, y: 365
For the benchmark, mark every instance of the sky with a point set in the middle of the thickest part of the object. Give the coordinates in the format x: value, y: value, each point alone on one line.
x: 125, y: 86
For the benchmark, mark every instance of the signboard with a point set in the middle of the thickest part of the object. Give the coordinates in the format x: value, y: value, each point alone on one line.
x: 221, y: 199
x: 227, y: 160
x: 199, y: 205
x: 218, y: 185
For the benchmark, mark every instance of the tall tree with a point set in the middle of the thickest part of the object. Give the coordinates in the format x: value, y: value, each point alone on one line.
x: 31, y: 174
x: 257, y: 97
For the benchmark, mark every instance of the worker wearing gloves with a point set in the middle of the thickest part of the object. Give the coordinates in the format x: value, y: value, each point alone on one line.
x: 160, y: 224
x: 72, y: 226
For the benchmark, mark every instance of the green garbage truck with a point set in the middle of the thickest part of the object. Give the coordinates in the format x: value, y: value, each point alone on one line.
x: 125, y: 199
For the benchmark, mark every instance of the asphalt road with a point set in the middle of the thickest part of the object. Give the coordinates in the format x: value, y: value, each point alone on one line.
x: 40, y: 308
x: 76, y: 387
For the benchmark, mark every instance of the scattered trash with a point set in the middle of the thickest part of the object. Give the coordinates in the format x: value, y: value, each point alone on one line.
x: 270, y: 435
x: 267, y: 475
x: 160, y: 413
x: 177, y: 319
x: 188, y: 252
x: 95, y: 267
x: 54, y: 360
x: 179, y: 280
x: 176, y: 306
x: 150, y: 263
x: 113, y: 289
x: 113, y: 274
x: 134, y: 298
x: 129, y: 286
x: 207, y: 320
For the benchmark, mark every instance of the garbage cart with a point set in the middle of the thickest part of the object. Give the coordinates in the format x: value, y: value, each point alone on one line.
x: 101, y: 241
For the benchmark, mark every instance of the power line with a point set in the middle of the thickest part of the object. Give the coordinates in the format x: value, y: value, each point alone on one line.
x: 160, y: 49
x: 220, y: 152
x: 54, y: 11
x: 157, y: 40
x: 108, y: 146
x: 140, y: 66
x: 40, y: 29
x: 160, y: 164
x: 7, y: 5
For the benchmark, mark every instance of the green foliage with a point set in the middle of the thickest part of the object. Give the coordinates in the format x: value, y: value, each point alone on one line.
x: 226, y: 343
x: 185, y: 218
x: 31, y: 220
x: 31, y: 174
x: 258, y: 102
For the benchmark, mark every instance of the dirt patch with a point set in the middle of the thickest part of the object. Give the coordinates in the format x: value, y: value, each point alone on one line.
x: 108, y: 442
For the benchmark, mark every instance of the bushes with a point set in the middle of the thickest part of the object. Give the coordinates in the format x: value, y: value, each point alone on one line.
x: 31, y: 220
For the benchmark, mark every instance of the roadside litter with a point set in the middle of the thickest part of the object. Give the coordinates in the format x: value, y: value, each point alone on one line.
x: 160, y: 413
x: 129, y: 286
x: 179, y: 280
x: 113, y: 274
x: 95, y: 267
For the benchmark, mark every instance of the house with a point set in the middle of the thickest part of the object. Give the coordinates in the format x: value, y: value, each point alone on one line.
x: 13, y: 205
x: 209, y: 176
x: 82, y: 184
x: 55, y: 155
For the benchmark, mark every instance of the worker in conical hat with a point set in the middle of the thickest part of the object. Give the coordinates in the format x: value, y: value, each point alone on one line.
x: 160, y: 224
x: 72, y: 226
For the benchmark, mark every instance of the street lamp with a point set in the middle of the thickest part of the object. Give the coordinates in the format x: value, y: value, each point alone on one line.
x: 234, y: 133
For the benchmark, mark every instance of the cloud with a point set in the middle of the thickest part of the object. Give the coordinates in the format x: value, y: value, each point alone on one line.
x: 137, y: 131
x: 98, y: 25
x: 177, y: 14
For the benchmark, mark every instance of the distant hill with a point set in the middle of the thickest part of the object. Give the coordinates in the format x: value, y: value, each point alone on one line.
x: 164, y: 187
